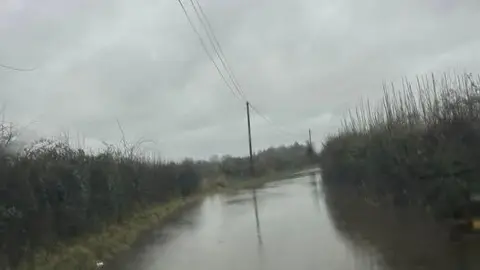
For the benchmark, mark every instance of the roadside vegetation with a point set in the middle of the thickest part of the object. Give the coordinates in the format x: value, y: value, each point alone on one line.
x: 64, y: 208
x: 419, y: 146
x: 51, y: 195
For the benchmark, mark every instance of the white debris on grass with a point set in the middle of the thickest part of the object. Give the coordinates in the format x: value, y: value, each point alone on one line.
x: 100, y: 264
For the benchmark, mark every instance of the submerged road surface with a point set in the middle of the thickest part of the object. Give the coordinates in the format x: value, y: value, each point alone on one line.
x: 296, y: 231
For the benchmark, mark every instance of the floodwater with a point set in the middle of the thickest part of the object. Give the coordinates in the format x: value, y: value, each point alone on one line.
x: 300, y: 225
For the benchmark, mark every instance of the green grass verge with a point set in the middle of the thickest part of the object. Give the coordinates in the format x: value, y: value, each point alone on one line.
x: 84, y: 252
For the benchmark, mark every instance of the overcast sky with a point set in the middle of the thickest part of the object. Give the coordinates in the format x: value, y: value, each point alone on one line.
x: 301, y: 62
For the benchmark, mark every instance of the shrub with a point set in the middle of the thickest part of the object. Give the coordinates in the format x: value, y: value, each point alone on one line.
x: 419, y: 147
x: 51, y: 193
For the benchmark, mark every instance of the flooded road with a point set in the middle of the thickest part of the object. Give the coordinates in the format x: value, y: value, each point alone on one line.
x: 299, y: 228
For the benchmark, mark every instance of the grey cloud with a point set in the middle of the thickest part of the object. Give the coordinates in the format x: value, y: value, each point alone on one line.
x: 303, y: 63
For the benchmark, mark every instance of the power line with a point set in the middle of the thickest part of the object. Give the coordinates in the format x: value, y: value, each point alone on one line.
x: 269, y: 120
x: 219, y: 51
x: 202, y: 42
x: 216, y: 45
x: 16, y: 68
x: 217, y: 48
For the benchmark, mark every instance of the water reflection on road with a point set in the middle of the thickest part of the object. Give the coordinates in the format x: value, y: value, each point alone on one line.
x: 302, y: 226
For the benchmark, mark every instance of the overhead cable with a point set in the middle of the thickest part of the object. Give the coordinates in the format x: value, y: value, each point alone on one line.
x: 204, y: 46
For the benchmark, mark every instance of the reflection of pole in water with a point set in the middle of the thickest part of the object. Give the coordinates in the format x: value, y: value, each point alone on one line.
x: 316, y: 189
x: 252, y: 173
x: 255, y: 205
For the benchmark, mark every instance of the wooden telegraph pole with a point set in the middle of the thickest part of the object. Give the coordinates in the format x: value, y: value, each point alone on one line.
x: 252, y: 174
x: 310, y: 136
x: 252, y: 171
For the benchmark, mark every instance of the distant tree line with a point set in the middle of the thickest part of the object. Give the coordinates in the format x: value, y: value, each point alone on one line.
x: 284, y: 157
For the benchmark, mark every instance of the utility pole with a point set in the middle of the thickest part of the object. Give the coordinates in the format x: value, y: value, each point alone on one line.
x: 252, y: 174
x: 310, y: 136
x: 310, y: 150
x: 252, y: 171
